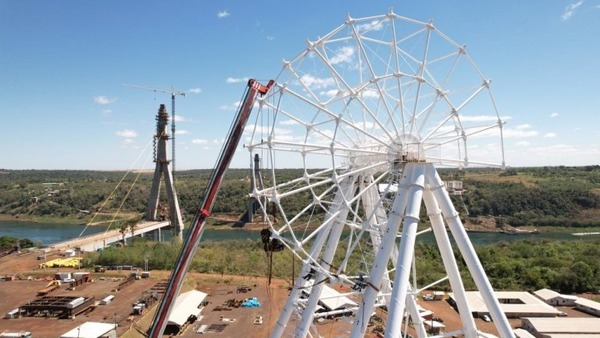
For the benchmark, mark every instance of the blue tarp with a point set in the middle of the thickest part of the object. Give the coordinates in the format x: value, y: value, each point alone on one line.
x: 251, y: 302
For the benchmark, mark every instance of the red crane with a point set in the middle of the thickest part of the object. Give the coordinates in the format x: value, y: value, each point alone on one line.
x: 197, y: 227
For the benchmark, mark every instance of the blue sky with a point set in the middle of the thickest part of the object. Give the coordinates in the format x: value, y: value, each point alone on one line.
x: 63, y: 66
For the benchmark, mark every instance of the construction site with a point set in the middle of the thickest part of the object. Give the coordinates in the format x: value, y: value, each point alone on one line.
x: 51, y: 302
x: 369, y: 151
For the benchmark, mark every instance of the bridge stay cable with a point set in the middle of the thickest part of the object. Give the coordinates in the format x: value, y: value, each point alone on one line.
x: 129, y: 170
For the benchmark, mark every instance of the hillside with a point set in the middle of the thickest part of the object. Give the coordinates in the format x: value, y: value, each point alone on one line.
x: 518, y: 197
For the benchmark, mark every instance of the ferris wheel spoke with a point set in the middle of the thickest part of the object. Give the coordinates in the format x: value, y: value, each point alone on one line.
x: 366, y: 111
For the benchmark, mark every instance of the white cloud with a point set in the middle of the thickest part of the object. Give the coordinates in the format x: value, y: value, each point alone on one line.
x: 343, y: 55
x: 195, y: 90
x: 270, y: 38
x: 179, y: 118
x: 554, y: 115
x: 127, y: 133
x: 199, y: 141
x: 181, y: 132
x: 234, y: 106
x: 570, y: 9
x: 129, y: 143
x: 522, y: 143
x: 236, y: 79
x: 557, y: 154
x: 550, y: 135
x: 106, y: 112
x: 373, y: 25
x: 223, y: 14
x: 103, y: 100
x: 330, y: 93
x: 369, y: 93
x: 478, y: 118
x: 288, y: 122
x: 316, y: 83
x: 520, y: 131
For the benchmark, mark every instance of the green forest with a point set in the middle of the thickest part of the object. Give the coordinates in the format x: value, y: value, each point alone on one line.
x: 547, y: 198
x: 539, y: 197
x: 566, y: 266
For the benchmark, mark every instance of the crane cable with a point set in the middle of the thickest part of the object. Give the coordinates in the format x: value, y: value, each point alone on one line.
x: 115, y: 189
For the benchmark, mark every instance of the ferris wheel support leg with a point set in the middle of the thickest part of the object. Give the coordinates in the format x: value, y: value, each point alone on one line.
x: 300, y: 282
x: 468, y: 252
x: 299, y: 285
x: 345, y: 189
x: 406, y: 253
x: 372, y: 201
x: 417, y: 320
x: 363, y: 315
x: 456, y: 284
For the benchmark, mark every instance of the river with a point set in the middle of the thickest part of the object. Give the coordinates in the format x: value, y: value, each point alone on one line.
x: 50, y: 233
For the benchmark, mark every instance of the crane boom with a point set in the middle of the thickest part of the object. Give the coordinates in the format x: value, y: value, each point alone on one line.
x: 197, y: 227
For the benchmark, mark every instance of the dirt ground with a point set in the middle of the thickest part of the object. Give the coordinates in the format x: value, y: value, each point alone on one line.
x: 222, y: 292
x: 233, y: 321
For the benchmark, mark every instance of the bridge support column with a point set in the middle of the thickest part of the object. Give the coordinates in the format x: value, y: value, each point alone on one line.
x: 163, y: 171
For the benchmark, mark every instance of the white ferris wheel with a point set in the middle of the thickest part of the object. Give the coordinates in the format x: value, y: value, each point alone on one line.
x: 368, y: 112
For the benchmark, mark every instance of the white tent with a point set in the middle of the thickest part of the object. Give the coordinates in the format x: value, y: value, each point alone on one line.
x: 92, y: 330
x: 187, y: 304
x: 331, y: 299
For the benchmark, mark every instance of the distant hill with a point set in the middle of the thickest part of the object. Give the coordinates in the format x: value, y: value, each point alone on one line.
x: 516, y: 197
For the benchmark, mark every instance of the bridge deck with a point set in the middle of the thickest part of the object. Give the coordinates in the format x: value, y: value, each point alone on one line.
x: 101, y: 240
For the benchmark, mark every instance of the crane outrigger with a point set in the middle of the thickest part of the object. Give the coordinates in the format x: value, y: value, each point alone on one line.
x: 197, y: 227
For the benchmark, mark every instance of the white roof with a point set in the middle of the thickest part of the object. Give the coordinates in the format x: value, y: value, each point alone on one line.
x: 330, y: 298
x: 565, y: 325
x: 588, y: 303
x: 334, y: 300
x: 89, y: 330
x: 547, y: 294
x: 434, y: 324
x: 528, y: 303
x: 186, y: 305
x: 521, y: 333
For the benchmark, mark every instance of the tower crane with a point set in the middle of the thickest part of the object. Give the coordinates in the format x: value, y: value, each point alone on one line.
x: 173, y: 93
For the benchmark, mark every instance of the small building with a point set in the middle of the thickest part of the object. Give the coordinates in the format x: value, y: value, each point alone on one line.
x: 425, y: 314
x: 522, y: 333
x: 588, y: 306
x: 19, y: 334
x: 186, y: 309
x: 454, y: 187
x: 562, y: 327
x: 438, y: 295
x: 63, y: 277
x: 434, y: 327
x: 332, y: 300
x: 12, y: 314
x: 554, y: 298
x: 92, y: 330
x: 514, y: 304
x: 106, y: 300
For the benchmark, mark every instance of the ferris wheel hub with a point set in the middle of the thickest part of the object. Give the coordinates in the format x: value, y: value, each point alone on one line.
x: 405, y: 148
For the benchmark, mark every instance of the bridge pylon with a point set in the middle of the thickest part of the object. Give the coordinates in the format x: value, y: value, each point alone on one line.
x: 164, y: 171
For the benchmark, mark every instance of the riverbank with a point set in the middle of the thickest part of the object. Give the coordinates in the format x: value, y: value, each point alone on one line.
x: 40, y: 219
